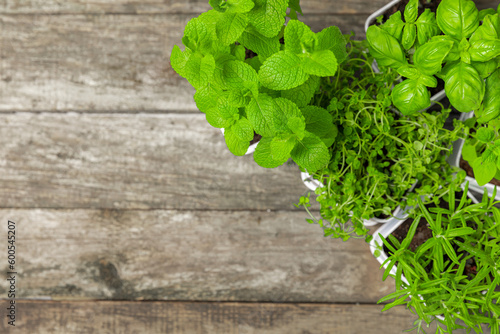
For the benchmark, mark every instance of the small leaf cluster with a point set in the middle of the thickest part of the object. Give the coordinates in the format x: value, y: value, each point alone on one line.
x: 482, y: 150
x: 378, y: 155
x: 458, y: 44
x: 268, y: 94
x: 437, y: 282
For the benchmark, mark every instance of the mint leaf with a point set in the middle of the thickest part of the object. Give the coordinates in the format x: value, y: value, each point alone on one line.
x: 318, y: 120
x: 206, y: 97
x: 260, y: 113
x: 216, y: 119
x: 298, y: 37
x: 178, y: 60
x: 230, y: 26
x: 320, y: 63
x: 263, y: 155
x: 485, y: 135
x: 281, y: 146
x: 199, y: 70
x: 282, y: 71
x: 311, y: 153
x: 332, y: 39
x: 197, y: 35
x: 263, y: 46
x: 295, y: 5
x: 234, y: 143
x: 226, y: 109
x: 283, y: 111
x: 297, y: 125
x: 243, y: 129
x: 268, y: 16
x: 239, y: 6
x: 302, y: 95
x: 232, y: 73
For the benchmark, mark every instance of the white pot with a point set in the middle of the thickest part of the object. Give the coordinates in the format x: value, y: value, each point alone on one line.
x: 251, y: 148
x: 369, y: 21
x: 454, y: 160
x: 385, y: 230
x: 314, y: 184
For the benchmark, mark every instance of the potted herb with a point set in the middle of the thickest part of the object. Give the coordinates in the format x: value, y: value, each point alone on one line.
x: 255, y: 76
x: 445, y: 260
x: 458, y: 44
x: 378, y: 155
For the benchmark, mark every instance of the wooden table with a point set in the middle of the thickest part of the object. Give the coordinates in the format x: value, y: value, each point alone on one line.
x: 131, y: 215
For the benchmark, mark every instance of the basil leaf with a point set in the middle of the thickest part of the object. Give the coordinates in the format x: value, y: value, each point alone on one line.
x: 464, y: 86
x: 484, y: 170
x: 485, y: 69
x: 485, y: 135
x: 484, y: 50
x: 410, y: 96
x: 491, y: 103
x: 385, y: 48
x: 429, y: 57
x: 454, y: 53
x: 394, y: 26
x: 411, y: 11
x: 426, y: 26
x: 489, y: 30
x: 469, y: 153
x: 457, y: 18
x: 409, y: 35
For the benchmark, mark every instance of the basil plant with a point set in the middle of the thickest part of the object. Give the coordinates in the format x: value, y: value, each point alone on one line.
x: 459, y: 44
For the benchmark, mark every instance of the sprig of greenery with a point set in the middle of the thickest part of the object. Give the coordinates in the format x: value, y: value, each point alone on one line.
x: 438, y: 284
x: 378, y: 155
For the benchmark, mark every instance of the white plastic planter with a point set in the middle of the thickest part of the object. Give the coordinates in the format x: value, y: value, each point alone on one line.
x: 314, y: 184
x: 376, y: 244
x: 251, y: 148
x: 454, y: 160
x: 371, y: 19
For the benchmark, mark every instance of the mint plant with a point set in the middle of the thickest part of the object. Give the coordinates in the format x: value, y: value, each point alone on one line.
x: 452, y: 276
x: 378, y: 155
x: 268, y: 94
x: 458, y: 44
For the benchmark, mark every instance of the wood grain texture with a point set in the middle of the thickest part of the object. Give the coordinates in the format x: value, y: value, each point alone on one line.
x: 187, y: 255
x: 102, y: 62
x: 125, y: 317
x: 133, y: 161
x: 167, y: 6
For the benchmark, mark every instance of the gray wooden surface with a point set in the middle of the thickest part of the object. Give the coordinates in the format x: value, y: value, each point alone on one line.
x: 132, y: 216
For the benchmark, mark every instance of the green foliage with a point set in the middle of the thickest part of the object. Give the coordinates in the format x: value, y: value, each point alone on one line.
x: 377, y: 155
x: 458, y: 44
x: 454, y: 273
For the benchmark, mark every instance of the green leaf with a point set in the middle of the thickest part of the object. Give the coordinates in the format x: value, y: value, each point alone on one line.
x: 469, y: 153
x: 331, y: 38
x: 230, y: 27
x: 295, y: 5
x: 457, y: 18
x: 394, y: 26
x: 417, y: 145
x: 320, y: 63
x: 216, y: 119
x: 243, y: 129
x: 178, y: 60
x: 302, y: 95
x: 385, y: 48
x: 485, y: 135
x: 484, y: 12
x: 311, y: 153
x: 484, y: 170
x: 426, y: 26
x: 298, y: 37
x: 235, y: 74
x: 297, y: 125
x: 464, y: 86
x: 489, y: 30
x: 484, y: 50
x: 197, y: 35
x: 234, y: 143
x: 239, y: 6
x: 491, y: 101
x: 409, y: 35
x: 318, y: 120
x: 268, y: 16
x: 411, y: 11
x: 429, y: 57
x: 199, y: 70
x: 207, y: 97
x: 282, y: 71
x: 261, y: 112
x: 485, y: 69
x: 263, y: 154
x: 281, y: 146
x: 454, y: 53
x: 263, y: 46
x: 410, y: 96
x: 284, y: 110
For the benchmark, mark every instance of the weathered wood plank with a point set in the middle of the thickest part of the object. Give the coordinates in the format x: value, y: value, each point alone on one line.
x: 102, y: 62
x: 169, y: 6
x: 126, y: 317
x: 187, y: 255
x: 175, y: 6
x: 133, y: 161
